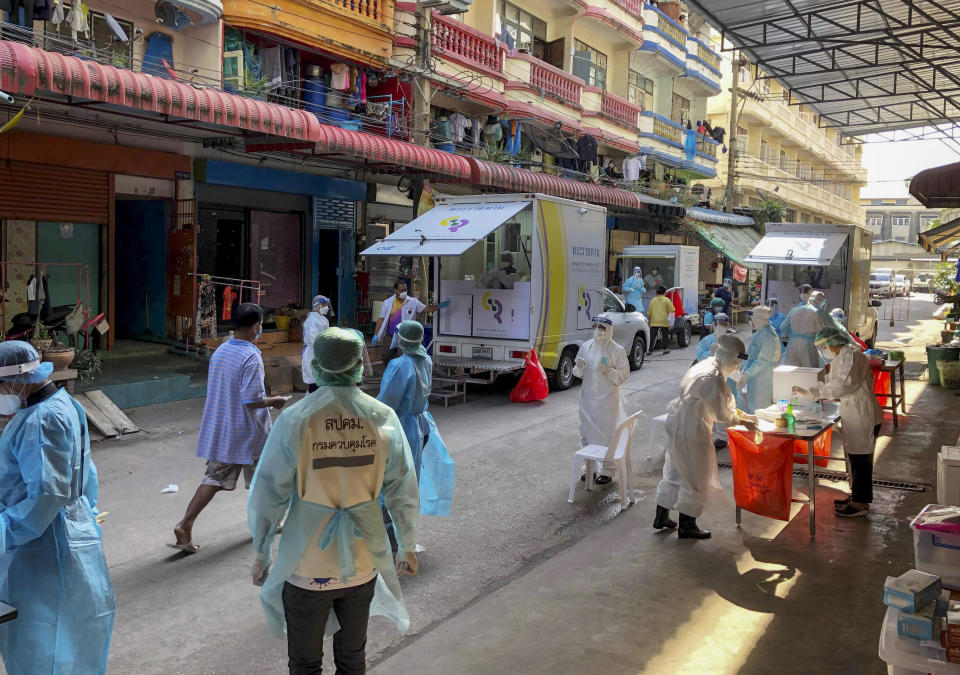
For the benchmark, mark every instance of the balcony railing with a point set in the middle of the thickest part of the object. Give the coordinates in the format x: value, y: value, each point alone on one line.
x: 666, y: 130
x: 451, y: 37
x: 671, y: 29
x: 634, y: 7
x: 707, y: 146
x: 556, y: 82
x: 708, y: 57
x: 370, y: 9
x: 620, y: 110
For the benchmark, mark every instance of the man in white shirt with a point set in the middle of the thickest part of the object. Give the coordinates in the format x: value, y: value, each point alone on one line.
x: 398, y: 308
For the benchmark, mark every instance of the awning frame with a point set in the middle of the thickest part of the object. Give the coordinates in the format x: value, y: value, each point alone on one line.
x: 829, y: 236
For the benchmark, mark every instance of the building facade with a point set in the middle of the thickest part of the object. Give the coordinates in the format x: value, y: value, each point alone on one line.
x: 900, y: 219
x: 784, y: 154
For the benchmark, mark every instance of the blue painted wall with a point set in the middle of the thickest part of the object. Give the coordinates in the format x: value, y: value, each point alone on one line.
x: 141, y: 266
x: 82, y: 245
x: 277, y: 180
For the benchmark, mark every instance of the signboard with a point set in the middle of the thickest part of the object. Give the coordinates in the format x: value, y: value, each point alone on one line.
x: 739, y: 272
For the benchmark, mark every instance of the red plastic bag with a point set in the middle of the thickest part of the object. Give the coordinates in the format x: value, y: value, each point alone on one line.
x: 881, y: 384
x: 533, y: 383
x: 762, y: 474
x: 821, y: 448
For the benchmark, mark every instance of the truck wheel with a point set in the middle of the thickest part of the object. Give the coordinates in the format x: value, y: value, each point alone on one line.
x: 638, y: 352
x: 684, y: 336
x: 561, y: 379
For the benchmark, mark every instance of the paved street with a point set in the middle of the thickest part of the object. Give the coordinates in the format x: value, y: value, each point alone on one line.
x: 517, y: 580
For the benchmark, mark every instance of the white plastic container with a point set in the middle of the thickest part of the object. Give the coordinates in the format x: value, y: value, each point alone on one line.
x: 905, y: 656
x: 786, y: 377
x: 948, y: 476
x: 937, y: 553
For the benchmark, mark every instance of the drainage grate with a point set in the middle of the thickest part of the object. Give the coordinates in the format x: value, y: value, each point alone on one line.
x: 841, y: 477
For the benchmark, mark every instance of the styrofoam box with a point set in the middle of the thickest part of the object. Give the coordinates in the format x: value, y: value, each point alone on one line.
x: 938, y: 553
x: 785, y: 378
x: 948, y: 476
x: 905, y: 656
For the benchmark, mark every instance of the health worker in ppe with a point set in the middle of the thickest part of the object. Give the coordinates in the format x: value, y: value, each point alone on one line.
x: 839, y: 319
x: 326, y: 462
x: 52, y: 566
x: 603, y: 366
x: 406, y: 387
x: 763, y: 353
x: 851, y: 381
x: 398, y: 307
x: 725, y: 293
x: 706, y: 324
x: 505, y: 276
x: 691, y: 480
x: 633, y: 289
x: 315, y: 323
x: 654, y: 279
x: 805, y: 291
x: 706, y: 346
x: 776, y: 316
x: 800, y: 328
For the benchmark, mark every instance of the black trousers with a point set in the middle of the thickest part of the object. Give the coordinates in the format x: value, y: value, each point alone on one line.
x: 306, y: 613
x: 861, y: 475
x: 312, y: 388
x: 659, y: 337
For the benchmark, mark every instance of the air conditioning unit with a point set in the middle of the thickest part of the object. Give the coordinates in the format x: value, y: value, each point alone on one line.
x: 447, y: 6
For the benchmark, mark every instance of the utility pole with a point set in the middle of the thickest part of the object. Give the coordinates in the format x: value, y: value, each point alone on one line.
x: 421, y: 83
x: 730, y: 195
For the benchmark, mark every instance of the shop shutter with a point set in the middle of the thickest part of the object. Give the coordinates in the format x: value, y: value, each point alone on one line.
x: 53, y: 193
x: 334, y: 213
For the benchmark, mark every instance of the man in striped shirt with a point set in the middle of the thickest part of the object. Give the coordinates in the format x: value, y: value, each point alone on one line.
x: 236, y: 418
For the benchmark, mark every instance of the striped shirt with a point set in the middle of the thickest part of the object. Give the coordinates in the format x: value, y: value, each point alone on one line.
x: 230, y: 432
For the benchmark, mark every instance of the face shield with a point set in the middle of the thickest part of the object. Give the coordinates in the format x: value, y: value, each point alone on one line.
x: 20, y: 366
x: 603, y: 331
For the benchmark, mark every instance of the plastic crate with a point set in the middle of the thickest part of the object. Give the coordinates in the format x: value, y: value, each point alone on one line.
x: 950, y: 374
x: 938, y: 553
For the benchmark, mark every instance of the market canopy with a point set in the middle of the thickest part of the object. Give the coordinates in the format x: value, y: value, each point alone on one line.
x: 938, y: 188
x: 941, y: 240
x: 797, y: 248
x: 719, y: 217
x: 448, y: 229
x: 865, y: 66
x: 734, y: 242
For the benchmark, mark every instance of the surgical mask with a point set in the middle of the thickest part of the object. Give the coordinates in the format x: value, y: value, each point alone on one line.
x: 720, y: 330
x: 402, y: 296
x: 826, y: 354
x: 603, y: 334
x: 636, y: 274
x: 10, y: 404
x: 324, y: 309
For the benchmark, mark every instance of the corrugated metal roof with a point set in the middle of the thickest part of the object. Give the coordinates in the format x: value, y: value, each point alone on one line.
x: 734, y: 242
x: 719, y: 217
x: 864, y: 66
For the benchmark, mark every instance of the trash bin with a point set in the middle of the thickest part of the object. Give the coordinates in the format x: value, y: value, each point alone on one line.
x: 936, y: 354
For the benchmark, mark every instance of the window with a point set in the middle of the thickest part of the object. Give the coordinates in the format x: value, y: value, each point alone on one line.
x: 741, y: 140
x: 764, y: 151
x: 900, y: 221
x: 233, y: 71
x: 680, y: 109
x: 638, y: 86
x: 119, y: 54
x: 926, y: 222
x: 875, y: 223
x: 528, y: 32
x: 785, y: 163
x: 590, y: 65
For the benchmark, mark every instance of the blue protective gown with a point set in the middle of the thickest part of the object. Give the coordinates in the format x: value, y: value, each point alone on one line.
x: 776, y: 321
x: 800, y: 328
x: 764, y: 352
x: 52, y: 566
x: 633, y: 288
x: 406, y: 388
x: 346, y: 508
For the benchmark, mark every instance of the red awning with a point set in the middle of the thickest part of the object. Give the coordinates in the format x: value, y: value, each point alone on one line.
x: 938, y: 188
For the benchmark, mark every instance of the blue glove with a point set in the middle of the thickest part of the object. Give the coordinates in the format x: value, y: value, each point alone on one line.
x: 445, y: 303
x: 375, y: 340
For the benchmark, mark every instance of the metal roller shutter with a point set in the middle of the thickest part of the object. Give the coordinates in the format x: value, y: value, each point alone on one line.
x: 53, y: 193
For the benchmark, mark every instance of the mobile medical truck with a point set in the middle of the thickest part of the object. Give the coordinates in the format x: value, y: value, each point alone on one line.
x: 545, y: 299
x: 834, y: 259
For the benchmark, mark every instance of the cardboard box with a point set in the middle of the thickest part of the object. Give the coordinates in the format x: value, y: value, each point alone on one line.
x: 925, y: 624
x: 953, y: 654
x: 911, y: 591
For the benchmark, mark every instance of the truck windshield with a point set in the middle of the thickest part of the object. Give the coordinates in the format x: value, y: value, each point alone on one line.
x: 879, y: 277
x: 492, y: 275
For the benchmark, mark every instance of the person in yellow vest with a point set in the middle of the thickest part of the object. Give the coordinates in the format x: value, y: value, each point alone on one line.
x: 327, y: 460
x: 659, y: 311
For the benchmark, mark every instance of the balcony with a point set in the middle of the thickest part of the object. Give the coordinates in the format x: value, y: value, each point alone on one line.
x: 700, y: 78
x: 619, y: 19
x: 525, y: 72
x: 361, y: 30
x: 663, y: 141
x: 664, y: 48
x: 455, y: 41
x: 620, y: 110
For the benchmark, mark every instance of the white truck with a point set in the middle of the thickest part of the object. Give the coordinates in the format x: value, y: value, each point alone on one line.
x: 834, y: 259
x: 676, y: 267
x: 521, y: 272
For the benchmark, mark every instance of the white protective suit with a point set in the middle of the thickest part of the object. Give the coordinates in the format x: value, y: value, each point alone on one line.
x: 601, y: 405
x: 313, y: 325
x: 851, y: 380
x: 691, y: 480
x: 800, y: 327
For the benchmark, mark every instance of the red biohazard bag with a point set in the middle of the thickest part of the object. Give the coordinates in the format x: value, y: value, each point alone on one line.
x: 881, y: 384
x: 533, y: 383
x: 762, y: 474
x: 821, y: 448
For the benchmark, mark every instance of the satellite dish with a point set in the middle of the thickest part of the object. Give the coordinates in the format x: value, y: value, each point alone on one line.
x: 118, y: 33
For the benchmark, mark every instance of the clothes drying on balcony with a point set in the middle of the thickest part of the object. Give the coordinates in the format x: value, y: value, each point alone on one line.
x: 587, y: 152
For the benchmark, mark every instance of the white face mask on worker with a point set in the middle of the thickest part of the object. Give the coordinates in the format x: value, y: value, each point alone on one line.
x: 10, y: 404
x: 402, y: 296
x: 324, y: 310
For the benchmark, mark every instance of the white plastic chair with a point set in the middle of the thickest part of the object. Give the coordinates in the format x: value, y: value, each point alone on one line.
x: 617, y: 452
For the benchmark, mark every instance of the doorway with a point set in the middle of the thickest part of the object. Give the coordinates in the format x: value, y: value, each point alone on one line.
x: 141, y: 266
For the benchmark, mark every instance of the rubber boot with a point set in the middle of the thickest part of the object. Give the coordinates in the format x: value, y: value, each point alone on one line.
x: 688, y: 528
x: 663, y: 519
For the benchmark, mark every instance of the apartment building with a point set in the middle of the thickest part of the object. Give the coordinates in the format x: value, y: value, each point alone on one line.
x: 900, y: 219
x: 784, y: 154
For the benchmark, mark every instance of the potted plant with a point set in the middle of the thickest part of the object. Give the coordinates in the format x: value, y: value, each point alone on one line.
x: 41, y: 337
x: 87, y: 364
x: 60, y: 355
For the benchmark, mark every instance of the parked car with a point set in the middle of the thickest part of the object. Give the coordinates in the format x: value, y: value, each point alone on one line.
x: 630, y: 328
x: 882, y: 284
x: 924, y: 282
x: 901, y: 285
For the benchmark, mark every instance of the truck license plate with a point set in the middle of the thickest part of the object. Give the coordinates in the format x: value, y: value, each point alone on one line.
x: 483, y: 352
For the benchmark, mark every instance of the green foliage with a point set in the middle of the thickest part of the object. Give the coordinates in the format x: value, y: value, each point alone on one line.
x: 769, y: 212
x: 41, y: 332
x: 87, y: 364
x: 944, y: 280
